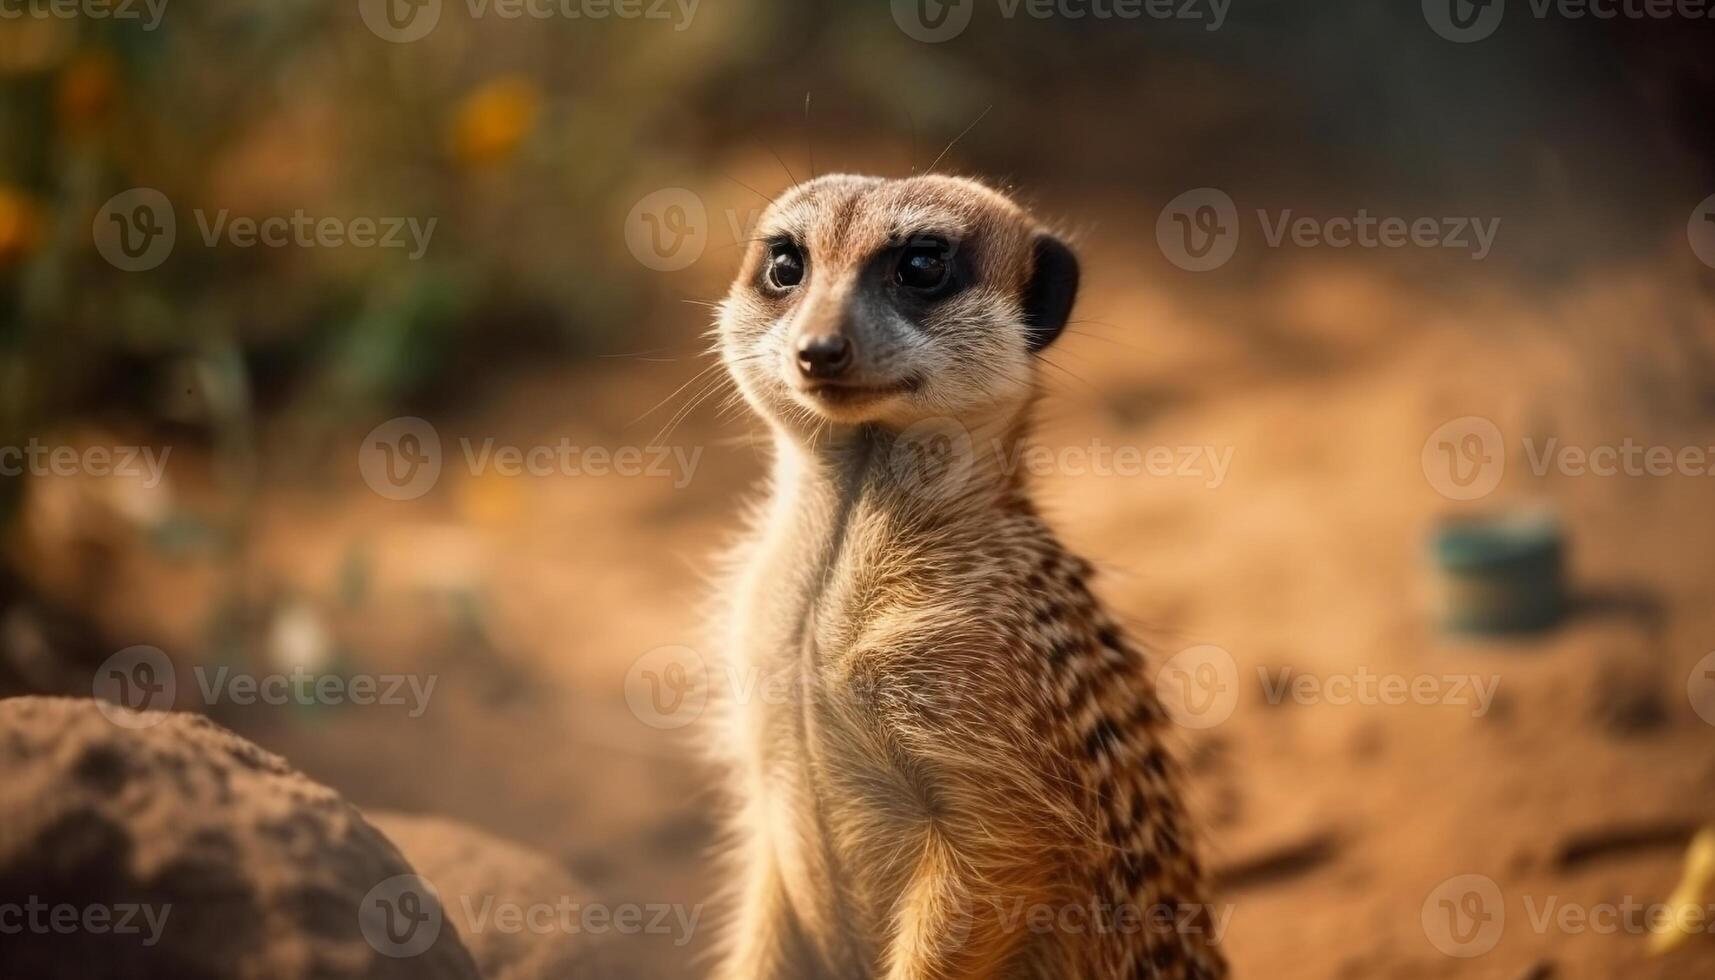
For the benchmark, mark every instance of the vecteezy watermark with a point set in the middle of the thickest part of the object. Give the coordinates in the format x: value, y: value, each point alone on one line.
x: 35, y: 916
x: 562, y: 458
x: 1104, y: 918
x: 148, y: 12
x: 304, y: 231
x: 306, y: 688
x: 1466, y: 916
x: 133, y: 462
x: 135, y: 688
x: 404, y: 21
x: 668, y: 229
x: 1208, y: 464
x: 1364, y: 230
x: 1369, y: 689
x: 1465, y: 21
x: 933, y: 459
x: 936, y: 458
x: 668, y: 687
x: 1700, y: 688
x: 134, y: 684
x: 935, y: 21
x: 1701, y: 231
x: 566, y: 916
x: 1199, y: 686
x: 1465, y: 458
x: 402, y: 459
x: 401, y: 917
x: 136, y: 231
x: 1200, y: 230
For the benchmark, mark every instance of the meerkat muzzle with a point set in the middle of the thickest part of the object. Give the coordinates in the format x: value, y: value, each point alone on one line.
x: 824, y: 357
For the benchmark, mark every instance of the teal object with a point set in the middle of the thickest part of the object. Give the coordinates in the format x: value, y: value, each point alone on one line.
x: 1501, y: 573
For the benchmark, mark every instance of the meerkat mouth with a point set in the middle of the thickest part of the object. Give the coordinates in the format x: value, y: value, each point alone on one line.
x: 845, y: 393
x: 849, y: 393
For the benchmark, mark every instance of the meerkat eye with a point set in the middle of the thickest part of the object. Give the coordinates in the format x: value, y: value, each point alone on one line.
x: 785, y: 267
x: 925, y: 265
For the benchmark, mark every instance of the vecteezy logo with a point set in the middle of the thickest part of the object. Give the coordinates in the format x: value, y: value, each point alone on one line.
x: 400, y: 459
x: 1465, y: 459
x: 1199, y: 686
x: 1464, y: 21
x: 667, y: 687
x: 1701, y: 231
x: 401, y: 917
x: 1199, y: 230
x: 1464, y: 916
x: 1700, y: 688
x: 140, y: 679
x: 668, y: 229
x: 135, y: 231
x: 400, y: 21
x: 933, y: 459
x: 933, y: 21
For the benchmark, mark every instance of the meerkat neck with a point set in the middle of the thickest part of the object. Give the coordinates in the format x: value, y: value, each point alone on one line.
x: 859, y: 488
x: 931, y: 473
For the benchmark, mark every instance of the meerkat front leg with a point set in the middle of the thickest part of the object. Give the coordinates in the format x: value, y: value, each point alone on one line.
x: 767, y: 941
x: 766, y: 944
x: 948, y: 923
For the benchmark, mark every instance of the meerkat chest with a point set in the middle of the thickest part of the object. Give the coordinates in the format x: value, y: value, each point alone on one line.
x: 804, y: 612
x: 811, y: 724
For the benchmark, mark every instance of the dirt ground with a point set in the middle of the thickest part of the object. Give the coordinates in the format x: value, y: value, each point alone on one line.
x: 1336, y: 825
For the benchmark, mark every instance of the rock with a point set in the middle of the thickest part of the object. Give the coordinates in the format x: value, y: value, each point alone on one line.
x: 146, y: 845
x: 479, y: 875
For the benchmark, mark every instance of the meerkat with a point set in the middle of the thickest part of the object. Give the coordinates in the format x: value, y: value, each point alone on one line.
x: 961, y: 772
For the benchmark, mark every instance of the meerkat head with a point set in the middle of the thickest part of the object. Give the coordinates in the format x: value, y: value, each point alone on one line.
x: 871, y: 301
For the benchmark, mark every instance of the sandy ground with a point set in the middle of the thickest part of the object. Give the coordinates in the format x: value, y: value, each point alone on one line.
x: 1339, y: 824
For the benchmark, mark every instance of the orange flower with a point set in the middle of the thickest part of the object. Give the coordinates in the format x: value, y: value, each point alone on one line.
x: 86, y: 89
x: 20, y: 227
x: 491, y: 122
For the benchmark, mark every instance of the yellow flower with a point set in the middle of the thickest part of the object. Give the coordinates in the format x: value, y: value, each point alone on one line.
x: 19, y: 226
x: 490, y: 499
x: 1688, y: 905
x: 492, y: 121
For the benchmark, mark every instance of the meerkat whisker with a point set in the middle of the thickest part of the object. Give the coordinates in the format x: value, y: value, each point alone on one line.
x: 749, y: 188
x: 955, y: 141
x: 809, y: 137
x: 716, y: 366
x: 685, y: 410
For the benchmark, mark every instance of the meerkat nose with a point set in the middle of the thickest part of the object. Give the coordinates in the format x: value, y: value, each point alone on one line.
x: 824, y: 356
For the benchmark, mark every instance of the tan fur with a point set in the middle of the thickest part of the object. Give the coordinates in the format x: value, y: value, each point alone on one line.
x: 939, y: 731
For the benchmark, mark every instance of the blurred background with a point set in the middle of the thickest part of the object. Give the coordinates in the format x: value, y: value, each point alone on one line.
x: 294, y: 252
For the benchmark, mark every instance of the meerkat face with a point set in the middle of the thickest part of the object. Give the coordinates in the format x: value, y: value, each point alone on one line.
x: 865, y: 300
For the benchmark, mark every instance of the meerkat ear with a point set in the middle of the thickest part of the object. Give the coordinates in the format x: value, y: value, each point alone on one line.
x: 1049, y: 294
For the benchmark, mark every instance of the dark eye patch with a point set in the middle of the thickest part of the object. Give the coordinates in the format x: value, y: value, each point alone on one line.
x: 926, y: 268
